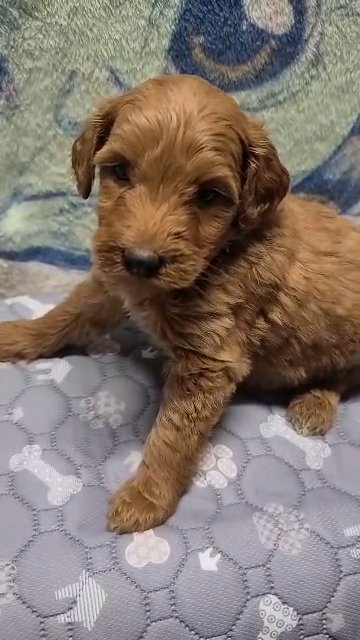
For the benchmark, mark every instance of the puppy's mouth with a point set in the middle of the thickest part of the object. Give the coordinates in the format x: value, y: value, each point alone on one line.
x: 165, y: 273
x: 145, y: 267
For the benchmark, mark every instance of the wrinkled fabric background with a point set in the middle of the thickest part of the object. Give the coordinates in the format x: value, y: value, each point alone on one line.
x: 294, y: 62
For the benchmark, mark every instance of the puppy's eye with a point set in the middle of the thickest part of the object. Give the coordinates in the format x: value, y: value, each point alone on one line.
x: 121, y: 172
x: 207, y: 196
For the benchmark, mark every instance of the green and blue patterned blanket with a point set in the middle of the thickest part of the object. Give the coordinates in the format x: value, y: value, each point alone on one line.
x: 295, y: 62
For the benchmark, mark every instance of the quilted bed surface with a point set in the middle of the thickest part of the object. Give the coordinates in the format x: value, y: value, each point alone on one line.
x: 265, y: 545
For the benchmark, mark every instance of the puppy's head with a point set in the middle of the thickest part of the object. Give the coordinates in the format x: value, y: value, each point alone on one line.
x: 181, y: 170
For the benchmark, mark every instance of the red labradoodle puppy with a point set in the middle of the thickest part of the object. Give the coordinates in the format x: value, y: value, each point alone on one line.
x: 237, y: 281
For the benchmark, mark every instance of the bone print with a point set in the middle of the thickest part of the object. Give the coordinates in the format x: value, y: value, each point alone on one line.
x: 276, y: 617
x: 315, y: 450
x: 147, y: 548
x: 61, y: 487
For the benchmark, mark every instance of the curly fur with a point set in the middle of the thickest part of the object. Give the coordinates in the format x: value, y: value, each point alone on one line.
x: 258, y: 287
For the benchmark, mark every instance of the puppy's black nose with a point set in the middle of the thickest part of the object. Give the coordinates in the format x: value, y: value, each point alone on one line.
x: 142, y: 262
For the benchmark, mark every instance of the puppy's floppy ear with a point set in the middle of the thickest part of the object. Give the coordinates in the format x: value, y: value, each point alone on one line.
x: 265, y: 180
x: 95, y: 132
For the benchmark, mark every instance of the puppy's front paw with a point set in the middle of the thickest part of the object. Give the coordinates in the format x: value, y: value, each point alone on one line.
x: 130, y: 511
x: 17, y: 341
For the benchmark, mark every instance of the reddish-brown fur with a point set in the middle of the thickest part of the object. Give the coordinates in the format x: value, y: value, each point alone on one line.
x: 257, y: 287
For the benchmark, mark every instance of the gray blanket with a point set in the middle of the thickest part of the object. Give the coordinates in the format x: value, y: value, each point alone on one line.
x: 265, y: 545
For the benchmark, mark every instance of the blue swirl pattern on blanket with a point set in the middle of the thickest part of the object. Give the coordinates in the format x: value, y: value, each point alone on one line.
x: 242, y: 52
x: 296, y: 63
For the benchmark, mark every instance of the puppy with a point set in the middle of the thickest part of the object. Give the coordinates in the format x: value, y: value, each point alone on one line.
x: 237, y: 281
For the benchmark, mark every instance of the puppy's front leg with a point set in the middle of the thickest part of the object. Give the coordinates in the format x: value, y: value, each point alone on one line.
x: 193, y: 403
x: 88, y: 312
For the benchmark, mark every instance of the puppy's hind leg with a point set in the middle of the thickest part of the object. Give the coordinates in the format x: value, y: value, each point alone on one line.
x: 313, y: 412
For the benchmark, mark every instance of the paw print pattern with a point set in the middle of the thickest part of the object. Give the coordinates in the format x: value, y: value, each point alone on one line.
x: 147, y: 548
x: 216, y: 467
x: 102, y: 410
x: 281, y: 527
x: 7, y: 586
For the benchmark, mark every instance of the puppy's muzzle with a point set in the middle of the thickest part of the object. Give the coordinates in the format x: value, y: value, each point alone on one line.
x: 142, y: 262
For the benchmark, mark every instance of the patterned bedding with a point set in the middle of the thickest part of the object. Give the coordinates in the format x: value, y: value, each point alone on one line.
x: 265, y: 545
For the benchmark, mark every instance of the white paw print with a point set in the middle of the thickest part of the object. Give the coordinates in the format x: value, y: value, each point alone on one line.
x: 216, y: 467
x: 102, y: 410
x: 147, y: 548
x: 278, y: 526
